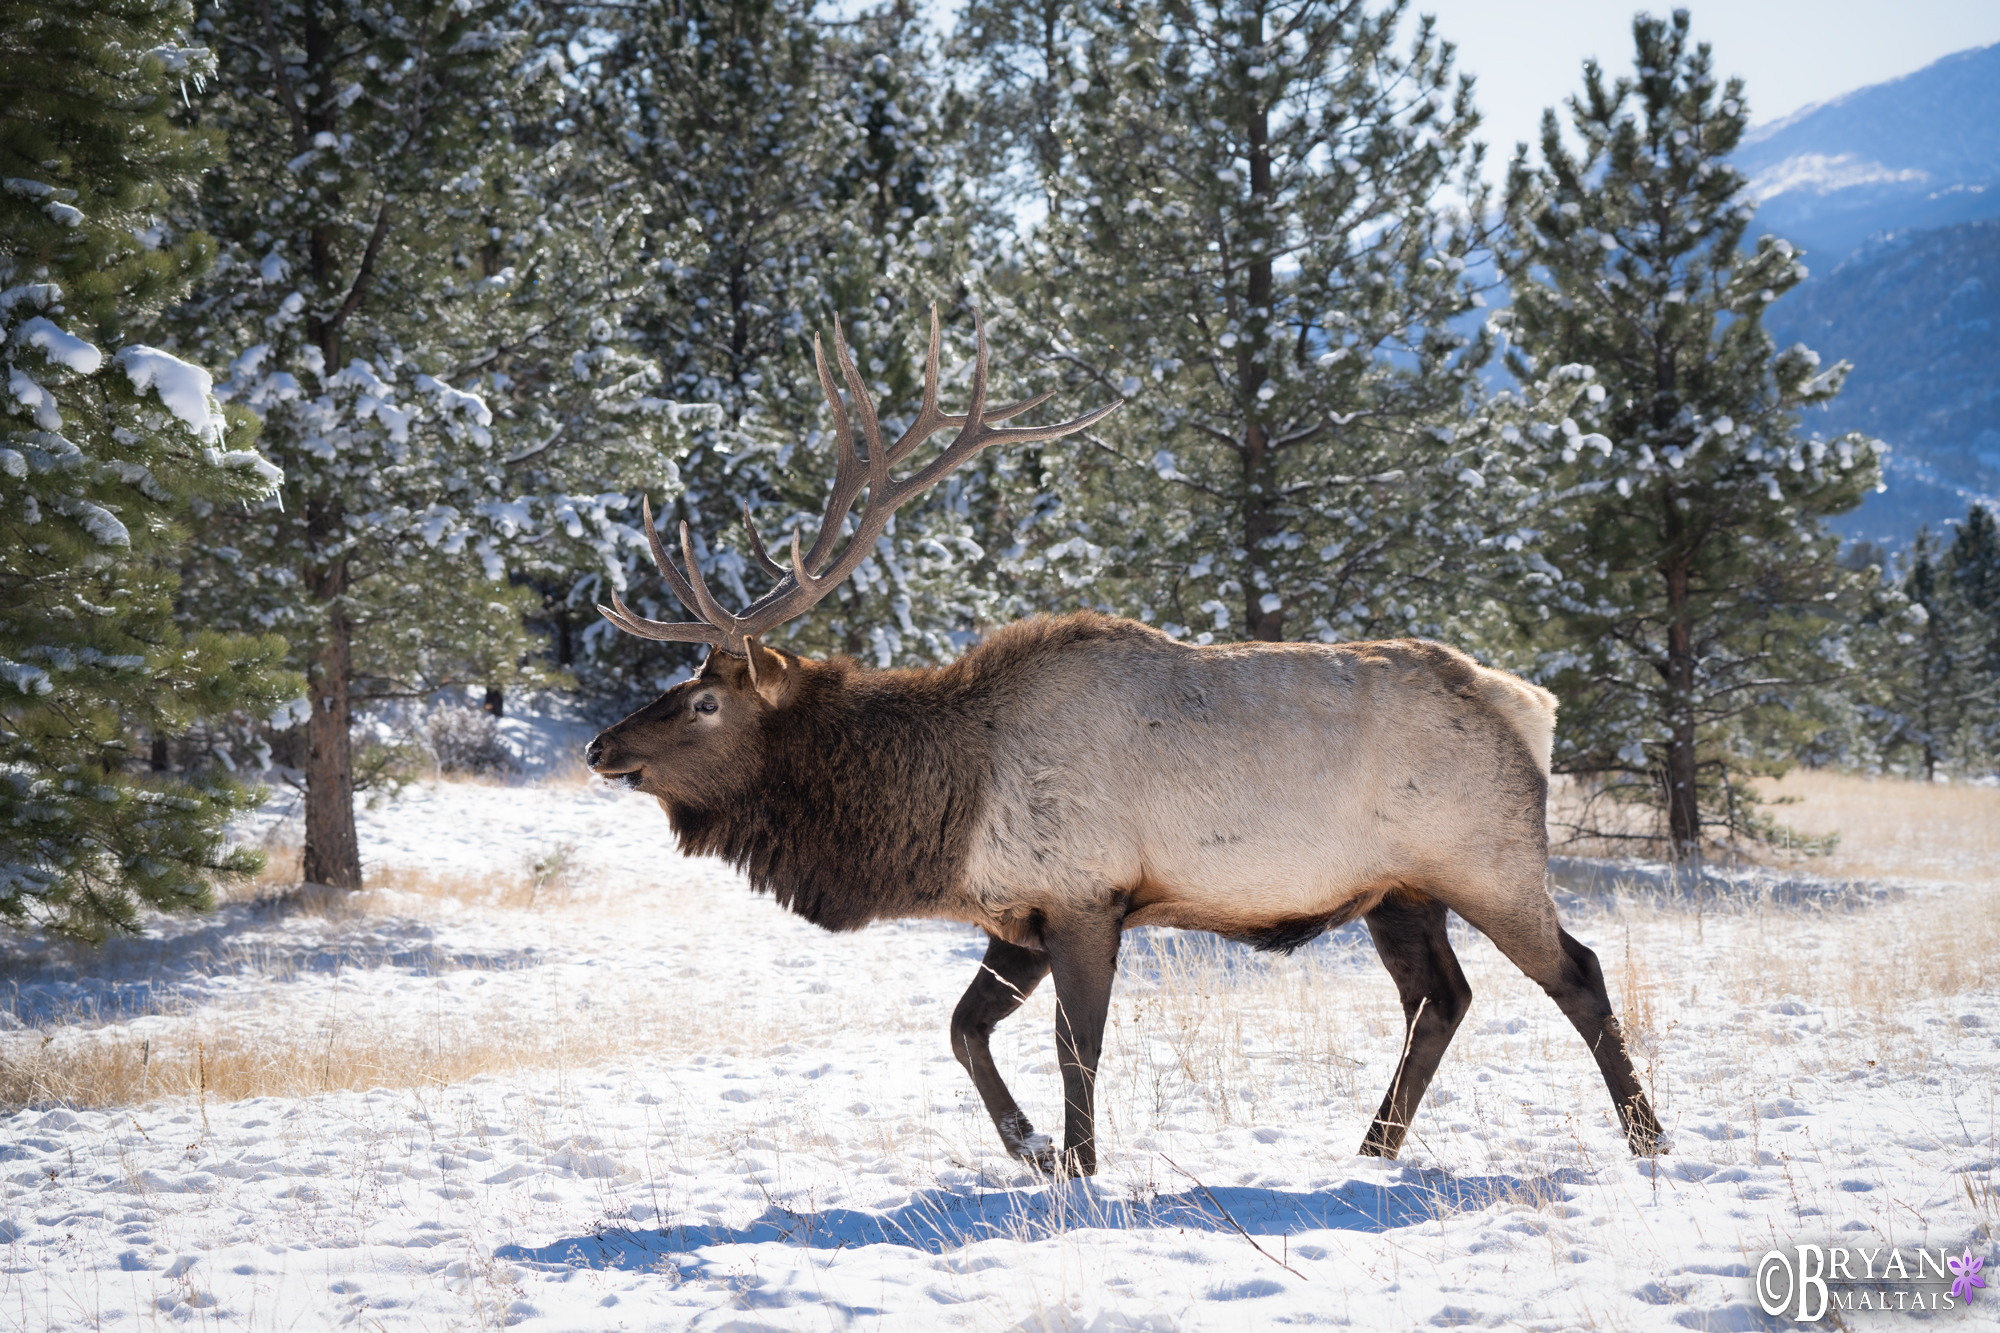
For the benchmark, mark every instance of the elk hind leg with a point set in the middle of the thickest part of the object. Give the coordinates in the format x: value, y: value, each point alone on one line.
x: 1409, y: 934
x: 1569, y: 972
x: 1007, y: 976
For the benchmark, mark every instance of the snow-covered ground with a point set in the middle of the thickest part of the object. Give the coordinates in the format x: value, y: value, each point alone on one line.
x: 667, y: 1104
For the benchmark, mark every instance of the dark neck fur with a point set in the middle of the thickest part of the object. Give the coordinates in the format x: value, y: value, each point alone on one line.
x: 866, y: 804
x: 873, y: 781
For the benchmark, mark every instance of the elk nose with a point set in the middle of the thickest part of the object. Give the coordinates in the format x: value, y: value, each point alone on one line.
x: 594, y: 752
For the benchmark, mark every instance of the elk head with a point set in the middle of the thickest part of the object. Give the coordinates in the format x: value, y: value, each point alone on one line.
x: 697, y: 744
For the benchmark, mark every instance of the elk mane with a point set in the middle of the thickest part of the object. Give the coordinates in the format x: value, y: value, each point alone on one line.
x: 870, y: 784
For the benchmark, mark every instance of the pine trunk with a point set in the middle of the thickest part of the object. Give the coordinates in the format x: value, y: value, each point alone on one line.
x: 1260, y: 490
x: 1683, y: 807
x: 333, y: 851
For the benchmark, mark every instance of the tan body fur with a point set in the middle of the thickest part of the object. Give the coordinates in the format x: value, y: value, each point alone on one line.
x: 1226, y: 788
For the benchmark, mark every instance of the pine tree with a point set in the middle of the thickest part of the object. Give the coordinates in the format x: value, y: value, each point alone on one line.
x: 1248, y: 235
x: 421, y: 300
x: 797, y: 175
x: 1701, y: 597
x: 1922, y: 685
x: 1971, y: 567
x: 105, y: 447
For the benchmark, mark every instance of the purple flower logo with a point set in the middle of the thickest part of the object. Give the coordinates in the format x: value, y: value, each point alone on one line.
x: 1967, y: 1276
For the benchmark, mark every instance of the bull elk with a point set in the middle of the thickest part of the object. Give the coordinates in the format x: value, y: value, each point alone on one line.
x: 1069, y: 779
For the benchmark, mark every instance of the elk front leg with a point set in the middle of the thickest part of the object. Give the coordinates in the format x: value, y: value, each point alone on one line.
x: 1083, y: 955
x: 1007, y: 976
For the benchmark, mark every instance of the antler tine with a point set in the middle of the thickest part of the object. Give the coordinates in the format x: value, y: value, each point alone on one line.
x: 864, y: 409
x: 826, y: 385
x: 637, y: 625
x: 705, y: 605
x: 975, y: 410
x: 799, y: 575
x: 847, y: 473
x: 667, y: 570
x: 1030, y: 434
x: 931, y: 364
x: 1002, y: 413
x: 929, y: 418
x: 764, y: 560
x: 810, y: 578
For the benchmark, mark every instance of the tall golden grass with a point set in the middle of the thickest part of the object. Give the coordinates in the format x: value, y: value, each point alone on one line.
x: 1892, y: 826
x: 1884, y: 827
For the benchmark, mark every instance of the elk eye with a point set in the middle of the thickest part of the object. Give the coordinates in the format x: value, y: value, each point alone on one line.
x: 705, y: 704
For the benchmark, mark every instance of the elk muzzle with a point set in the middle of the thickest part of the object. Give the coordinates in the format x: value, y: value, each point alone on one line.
x: 596, y: 754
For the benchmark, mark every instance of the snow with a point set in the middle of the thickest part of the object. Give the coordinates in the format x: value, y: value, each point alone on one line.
x: 60, y: 346
x: 703, y: 1113
x: 35, y: 398
x: 252, y: 461
x: 102, y: 525
x: 183, y: 387
x: 26, y: 679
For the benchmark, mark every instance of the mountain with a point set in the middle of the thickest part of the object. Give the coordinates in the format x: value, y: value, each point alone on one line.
x: 1921, y: 151
x: 1918, y: 313
x: 1893, y: 191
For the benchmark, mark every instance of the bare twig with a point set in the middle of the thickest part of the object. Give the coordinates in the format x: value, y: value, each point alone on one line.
x: 1233, y: 1222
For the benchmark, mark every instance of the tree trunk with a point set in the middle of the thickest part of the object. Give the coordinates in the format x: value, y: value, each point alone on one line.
x: 333, y: 851
x: 1929, y: 721
x: 1683, y: 807
x: 1260, y: 474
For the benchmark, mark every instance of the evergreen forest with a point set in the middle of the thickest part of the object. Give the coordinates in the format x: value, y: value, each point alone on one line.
x: 343, y: 342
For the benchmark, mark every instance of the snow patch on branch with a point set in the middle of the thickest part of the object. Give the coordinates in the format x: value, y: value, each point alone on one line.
x: 35, y: 398
x: 184, y: 388
x: 270, y: 473
x: 60, y: 346
x: 26, y: 679
x: 96, y: 520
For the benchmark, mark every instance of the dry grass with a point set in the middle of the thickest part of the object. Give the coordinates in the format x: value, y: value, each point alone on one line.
x: 1883, y: 827
x: 83, y: 1063
x: 1893, y: 826
x: 541, y: 882
x: 209, y: 1059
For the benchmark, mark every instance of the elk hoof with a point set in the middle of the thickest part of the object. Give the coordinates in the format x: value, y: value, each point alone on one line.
x: 1642, y: 1129
x: 1077, y: 1163
x: 1036, y: 1151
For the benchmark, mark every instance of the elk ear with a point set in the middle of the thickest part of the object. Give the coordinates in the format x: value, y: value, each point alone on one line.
x: 770, y: 675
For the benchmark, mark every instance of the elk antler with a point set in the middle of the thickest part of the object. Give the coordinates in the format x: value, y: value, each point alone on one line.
x: 809, y: 577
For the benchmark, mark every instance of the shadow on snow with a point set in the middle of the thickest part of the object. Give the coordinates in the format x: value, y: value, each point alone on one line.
x: 942, y: 1220
x: 47, y: 981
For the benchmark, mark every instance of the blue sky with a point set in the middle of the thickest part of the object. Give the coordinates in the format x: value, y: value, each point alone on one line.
x: 1529, y: 54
